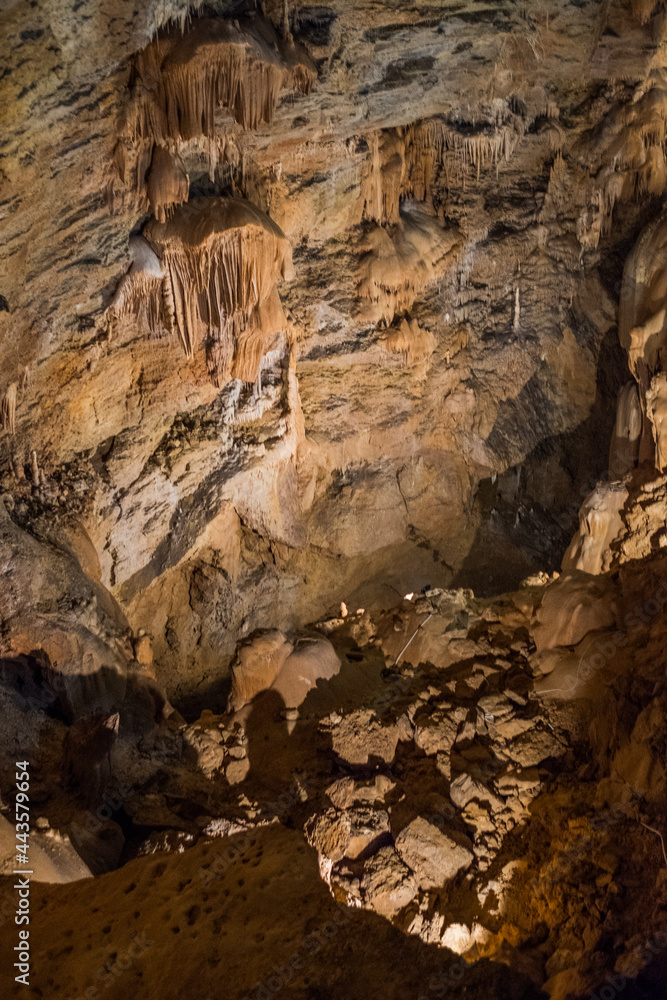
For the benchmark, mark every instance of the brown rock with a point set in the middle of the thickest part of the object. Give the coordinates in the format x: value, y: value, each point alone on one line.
x: 432, y: 854
x: 388, y: 884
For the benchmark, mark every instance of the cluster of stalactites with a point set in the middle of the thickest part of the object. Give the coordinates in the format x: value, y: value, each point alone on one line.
x: 409, y: 340
x: 178, y: 83
x: 398, y: 263
x: 406, y: 162
x: 140, y: 292
x: 221, y: 259
x: 629, y: 149
x: 181, y: 80
x: 384, y: 176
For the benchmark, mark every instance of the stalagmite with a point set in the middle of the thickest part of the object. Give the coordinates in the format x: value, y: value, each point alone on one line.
x: 656, y: 405
x: 624, y: 448
x: 140, y: 292
x: 222, y: 258
x: 600, y: 523
x: 516, y: 322
x: 34, y: 468
x: 8, y: 408
x: 167, y: 183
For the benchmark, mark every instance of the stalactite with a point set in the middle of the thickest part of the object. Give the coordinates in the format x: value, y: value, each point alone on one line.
x: 558, y: 169
x: 180, y: 80
x: 382, y: 183
x: 167, y: 183
x: 8, y: 408
x: 652, y: 176
x: 624, y: 447
x: 458, y: 153
x: 409, y: 340
x: 649, y: 115
x: 642, y: 332
x: 239, y: 65
x: 398, y: 265
x: 404, y: 163
x: 482, y: 151
x: 140, y: 291
x: 222, y: 258
x: 643, y: 9
x: 630, y: 146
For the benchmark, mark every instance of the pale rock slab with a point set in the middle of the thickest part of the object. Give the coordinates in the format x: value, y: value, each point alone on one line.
x: 432, y: 854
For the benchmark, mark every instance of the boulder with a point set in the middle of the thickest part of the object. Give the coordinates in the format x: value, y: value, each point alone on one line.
x: 431, y: 853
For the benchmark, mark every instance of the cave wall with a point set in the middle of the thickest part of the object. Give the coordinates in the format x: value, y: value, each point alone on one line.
x: 362, y: 468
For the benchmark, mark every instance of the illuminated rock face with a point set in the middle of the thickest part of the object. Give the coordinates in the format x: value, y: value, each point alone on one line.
x: 222, y: 258
x: 304, y: 309
x: 433, y: 384
x: 611, y: 514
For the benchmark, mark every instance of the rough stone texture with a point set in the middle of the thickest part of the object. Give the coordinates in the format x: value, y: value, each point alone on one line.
x: 465, y: 192
x: 431, y: 853
x: 547, y: 796
x: 357, y: 469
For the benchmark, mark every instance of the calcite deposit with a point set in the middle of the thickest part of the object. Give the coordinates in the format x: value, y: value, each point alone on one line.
x: 333, y: 499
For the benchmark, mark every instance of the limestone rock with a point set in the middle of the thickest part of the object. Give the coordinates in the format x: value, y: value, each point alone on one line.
x: 388, y: 884
x: 258, y: 663
x: 571, y: 607
x: 209, y: 753
x: 432, y: 854
x: 361, y: 736
x: 311, y: 660
x: 600, y: 525
x: 337, y: 835
x: 52, y: 856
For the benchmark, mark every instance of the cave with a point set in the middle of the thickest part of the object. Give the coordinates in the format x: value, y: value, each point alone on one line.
x: 333, y: 500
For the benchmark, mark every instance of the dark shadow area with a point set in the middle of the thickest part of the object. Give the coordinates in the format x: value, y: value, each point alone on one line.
x: 529, y: 514
x: 277, y: 747
x: 30, y: 682
x: 650, y: 984
x: 35, y: 685
x: 252, y: 909
x: 356, y: 685
x: 212, y: 696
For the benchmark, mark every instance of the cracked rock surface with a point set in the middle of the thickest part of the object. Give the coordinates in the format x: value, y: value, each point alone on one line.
x: 333, y: 497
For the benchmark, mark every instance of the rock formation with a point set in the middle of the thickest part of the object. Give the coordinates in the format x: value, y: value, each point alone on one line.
x: 221, y: 259
x: 333, y: 497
